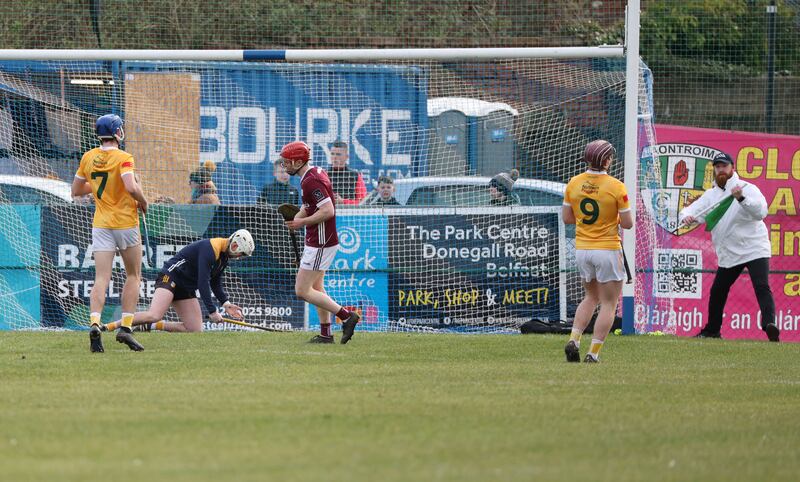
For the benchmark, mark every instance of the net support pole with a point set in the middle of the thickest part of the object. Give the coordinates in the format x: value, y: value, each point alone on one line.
x: 631, y: 155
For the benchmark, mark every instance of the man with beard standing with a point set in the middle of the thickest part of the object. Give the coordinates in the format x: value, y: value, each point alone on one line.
x: 741, y: 240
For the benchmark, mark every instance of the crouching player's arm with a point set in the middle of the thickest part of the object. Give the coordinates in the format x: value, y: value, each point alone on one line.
x: 231, y: 309
x: 205, y: 261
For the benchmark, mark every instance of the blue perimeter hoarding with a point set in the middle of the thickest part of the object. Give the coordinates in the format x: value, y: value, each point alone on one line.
x: 358, y: 277
x: 402, y: 268
x: 19, y: 266
x: 262, y: 284
x: 249, y: 111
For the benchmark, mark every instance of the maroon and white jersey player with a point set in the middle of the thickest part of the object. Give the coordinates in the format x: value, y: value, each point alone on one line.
x: 317, y: 191
x: 318, y: 215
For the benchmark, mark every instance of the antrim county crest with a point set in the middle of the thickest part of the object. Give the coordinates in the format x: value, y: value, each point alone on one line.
x: 672, y: 176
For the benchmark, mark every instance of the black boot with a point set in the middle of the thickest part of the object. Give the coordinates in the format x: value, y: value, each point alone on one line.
x: 349, y: 327
x: 124, y: 335
x: 95, y: 340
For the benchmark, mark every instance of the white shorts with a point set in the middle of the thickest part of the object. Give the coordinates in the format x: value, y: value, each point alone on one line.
x: 604, y: 265
x: 104, y: 239
x: 318, y: 259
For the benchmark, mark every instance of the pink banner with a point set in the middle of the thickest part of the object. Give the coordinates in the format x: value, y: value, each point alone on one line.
x: 771, y: 162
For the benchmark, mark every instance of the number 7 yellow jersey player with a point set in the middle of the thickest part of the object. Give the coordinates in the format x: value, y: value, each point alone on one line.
x: 597, y: 204
x: 107, y: 172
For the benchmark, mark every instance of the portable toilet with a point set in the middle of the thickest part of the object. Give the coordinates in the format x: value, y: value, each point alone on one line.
x: 496, y: 148
x: 447, y: 150
x: 470, y: 136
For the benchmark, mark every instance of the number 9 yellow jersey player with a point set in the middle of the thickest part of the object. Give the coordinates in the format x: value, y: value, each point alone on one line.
x: 598, y: 205
x: 107, y: 172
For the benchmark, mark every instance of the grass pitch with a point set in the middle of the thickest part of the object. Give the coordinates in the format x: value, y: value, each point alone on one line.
x: 395, y: 407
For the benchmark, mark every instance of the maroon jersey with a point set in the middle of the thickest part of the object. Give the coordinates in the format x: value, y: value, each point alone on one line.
x: 316, y: 191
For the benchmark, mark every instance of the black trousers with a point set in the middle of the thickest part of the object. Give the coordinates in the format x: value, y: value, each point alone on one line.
x: 759, y: 275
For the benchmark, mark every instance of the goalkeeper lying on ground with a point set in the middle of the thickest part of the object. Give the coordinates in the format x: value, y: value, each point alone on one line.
x: 198, y: 266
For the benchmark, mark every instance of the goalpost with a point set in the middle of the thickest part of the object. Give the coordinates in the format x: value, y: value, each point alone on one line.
x: 441, y: 122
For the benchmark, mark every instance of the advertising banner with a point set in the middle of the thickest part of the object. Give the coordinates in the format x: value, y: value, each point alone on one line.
x: 357, y: 279
x: 19, y: 266
x: 263, y: 284
x: 248, y: 111
x: 772, y: 163
x: 470, y: 271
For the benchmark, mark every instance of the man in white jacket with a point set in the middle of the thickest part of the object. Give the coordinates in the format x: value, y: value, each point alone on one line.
x: 740, y: 240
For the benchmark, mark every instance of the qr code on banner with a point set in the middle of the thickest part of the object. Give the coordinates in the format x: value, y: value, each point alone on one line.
x: 678, y: 273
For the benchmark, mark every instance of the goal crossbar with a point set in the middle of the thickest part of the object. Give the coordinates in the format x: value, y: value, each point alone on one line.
x: 311, y: 55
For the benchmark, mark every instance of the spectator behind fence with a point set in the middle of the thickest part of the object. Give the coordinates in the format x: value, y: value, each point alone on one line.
x: 203, y: 189
x: 501, y: 187
x: 385, y: 193
x: 348, y: 184
x: 279, y: 191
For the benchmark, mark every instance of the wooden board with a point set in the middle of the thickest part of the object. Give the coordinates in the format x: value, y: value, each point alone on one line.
x: 162, y: 131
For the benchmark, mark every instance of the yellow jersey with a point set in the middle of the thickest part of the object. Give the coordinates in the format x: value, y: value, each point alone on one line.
x: 115, y: 208
x: 596, y: 200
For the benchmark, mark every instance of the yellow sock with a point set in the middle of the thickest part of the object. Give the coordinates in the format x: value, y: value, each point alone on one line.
x: 575, y: 336
x: 594, y: 350
x: 113, y: 325
x: 159, y: 325
x: 127, y: 320
x: 94, y: 319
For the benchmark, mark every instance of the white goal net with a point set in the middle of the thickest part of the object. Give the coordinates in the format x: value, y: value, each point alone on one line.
x: 467, y: 248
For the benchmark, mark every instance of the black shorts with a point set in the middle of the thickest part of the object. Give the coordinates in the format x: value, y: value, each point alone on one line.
x: 165, y: 281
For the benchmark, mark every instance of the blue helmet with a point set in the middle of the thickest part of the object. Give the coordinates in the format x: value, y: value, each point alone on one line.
x: 107, y: 128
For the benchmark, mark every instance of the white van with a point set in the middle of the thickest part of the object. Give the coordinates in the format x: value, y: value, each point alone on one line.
x: 469, y: 192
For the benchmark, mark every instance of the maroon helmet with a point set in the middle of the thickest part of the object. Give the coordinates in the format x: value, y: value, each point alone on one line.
x: 596, y: 154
